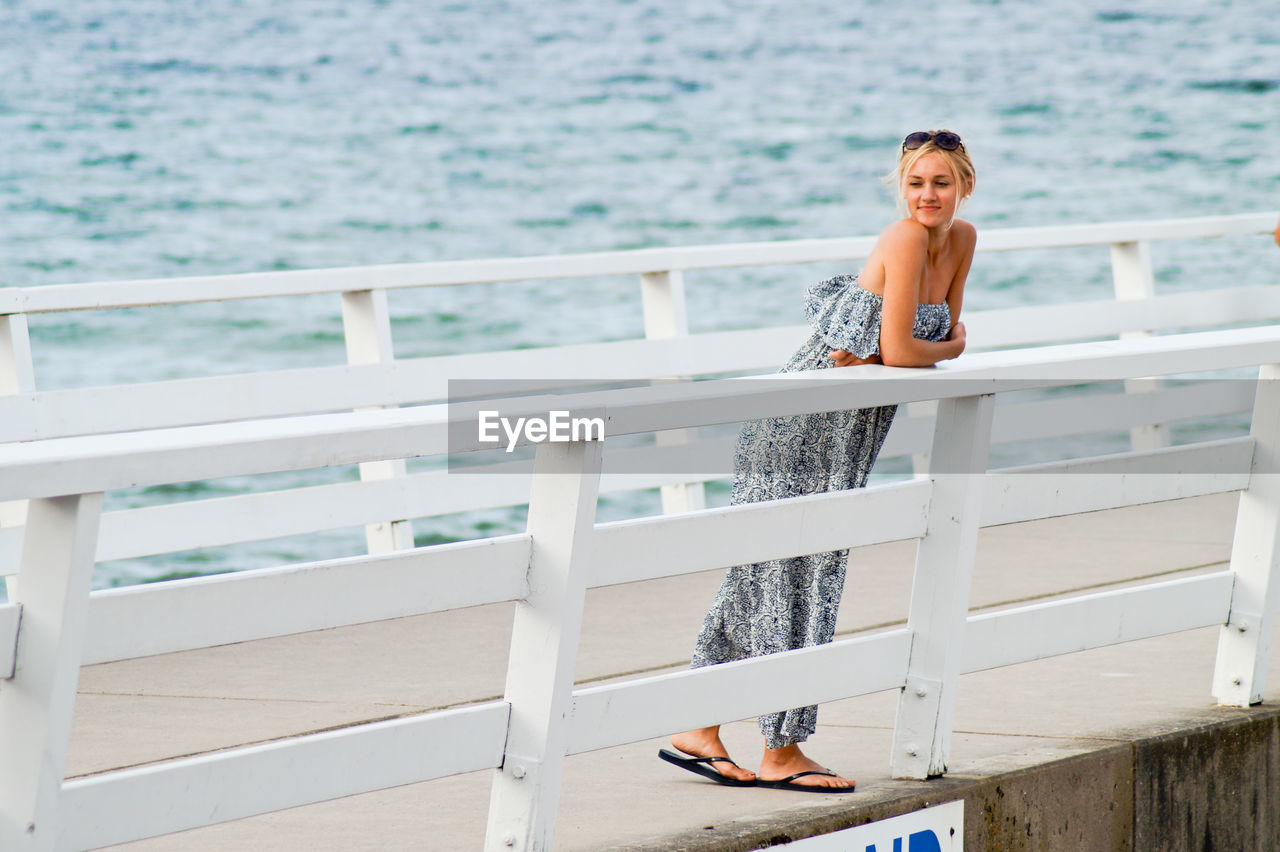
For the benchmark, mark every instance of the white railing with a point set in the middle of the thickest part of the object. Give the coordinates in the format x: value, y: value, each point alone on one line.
x: 56, y: 624
x: 388, y: 498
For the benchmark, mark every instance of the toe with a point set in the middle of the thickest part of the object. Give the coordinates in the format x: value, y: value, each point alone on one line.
x: 733, y: 770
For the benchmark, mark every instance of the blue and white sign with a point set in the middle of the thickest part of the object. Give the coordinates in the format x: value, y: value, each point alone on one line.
x: 936, y: 829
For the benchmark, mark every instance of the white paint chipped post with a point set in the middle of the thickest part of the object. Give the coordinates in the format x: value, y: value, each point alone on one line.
x: 17, y: 376
x: 666, y: 315
x: 940, y: 589
x: 544, y: 648
x: 36, y: 704
x: 366, y: 322
x: 1133, y: 280
x: 1244, y: 643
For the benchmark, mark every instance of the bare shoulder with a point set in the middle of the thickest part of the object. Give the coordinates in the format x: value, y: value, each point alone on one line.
x: 904, y: 234
x: 965, y: 232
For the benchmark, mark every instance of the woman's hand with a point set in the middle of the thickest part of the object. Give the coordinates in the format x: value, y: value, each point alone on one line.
x: 957, y: 335
x: 848, y: 359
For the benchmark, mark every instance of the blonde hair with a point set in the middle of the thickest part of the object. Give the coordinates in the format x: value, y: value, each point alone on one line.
x: 958, y: 161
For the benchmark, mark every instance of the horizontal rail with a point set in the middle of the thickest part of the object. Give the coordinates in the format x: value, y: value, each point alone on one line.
x: 647, y: 548
x: 107, y: 462
x: 184, y: 614
x: 143, y: 620
x: 131, y: 804
x: 313, y: 390
x: 1081, y: 415
x: 1035, y: 632
x: 214, y: 288
x: 635, y: 710
x: 222, y: 521
x: 1103, y: 233
x: 1055, y: 489
x: 139, y: 621
x: 1036, y: 325
x: 88, y: 464
x: 735, y: 400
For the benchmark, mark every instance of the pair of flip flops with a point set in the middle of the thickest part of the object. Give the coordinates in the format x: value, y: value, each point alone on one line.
x: 703, y: 766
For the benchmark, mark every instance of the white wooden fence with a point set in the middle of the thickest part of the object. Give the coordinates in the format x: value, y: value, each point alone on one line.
x: 387, y: 499
x: 541, y: 719
x: 54, y: 624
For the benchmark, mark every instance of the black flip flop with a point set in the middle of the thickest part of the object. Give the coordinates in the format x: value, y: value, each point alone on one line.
x: 787, y: 783
x: 699, y: 766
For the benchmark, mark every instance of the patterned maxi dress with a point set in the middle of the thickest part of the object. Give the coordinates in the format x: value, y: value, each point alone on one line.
x: 792, y: 603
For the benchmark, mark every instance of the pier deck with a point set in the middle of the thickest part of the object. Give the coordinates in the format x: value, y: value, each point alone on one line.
x: 150, y: 709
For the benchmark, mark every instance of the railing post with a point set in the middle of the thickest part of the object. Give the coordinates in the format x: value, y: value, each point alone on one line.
x: 940, y: 589
x: 36, y: 704
x: 1133, y: 280
x: 366, y: 322
x: 666, y: 315
x: 1244, y: 642
x: 17, y: 375
x: 544, y: 648
x: 924, y: 408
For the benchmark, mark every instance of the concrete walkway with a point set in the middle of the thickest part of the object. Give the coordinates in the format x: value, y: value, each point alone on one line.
x: 138, y: 711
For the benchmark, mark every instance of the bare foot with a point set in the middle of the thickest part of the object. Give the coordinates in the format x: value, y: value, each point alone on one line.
x: 705, y: 742
x: 779, y: 763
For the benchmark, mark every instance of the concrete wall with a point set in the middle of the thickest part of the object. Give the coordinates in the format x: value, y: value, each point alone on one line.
x: 1215, y: 786
x: 1208, y: 784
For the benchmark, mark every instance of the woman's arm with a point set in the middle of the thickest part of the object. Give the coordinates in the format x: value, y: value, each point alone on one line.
x: 905, y: 245
x: 968, y: 235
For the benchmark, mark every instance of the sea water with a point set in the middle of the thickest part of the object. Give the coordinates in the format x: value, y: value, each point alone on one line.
x: 153, y: 139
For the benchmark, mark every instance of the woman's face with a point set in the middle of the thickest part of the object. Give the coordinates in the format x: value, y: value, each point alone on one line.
x: 930, y: 191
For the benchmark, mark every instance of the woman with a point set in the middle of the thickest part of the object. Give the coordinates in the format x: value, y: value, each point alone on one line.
x: 901, y: 311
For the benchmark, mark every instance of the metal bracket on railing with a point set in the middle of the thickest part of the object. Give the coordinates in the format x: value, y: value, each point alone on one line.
x: 10, y: 622
x: 925, y: 691
x: 1243, y: 621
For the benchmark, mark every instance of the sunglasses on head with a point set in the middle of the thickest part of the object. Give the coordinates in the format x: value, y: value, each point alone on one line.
x: 945, y: 139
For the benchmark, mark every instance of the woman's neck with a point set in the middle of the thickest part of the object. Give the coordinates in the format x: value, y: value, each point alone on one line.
x: 939, y: 238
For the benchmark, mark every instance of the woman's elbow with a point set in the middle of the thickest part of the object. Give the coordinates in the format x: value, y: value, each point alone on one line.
x: 896, y: 356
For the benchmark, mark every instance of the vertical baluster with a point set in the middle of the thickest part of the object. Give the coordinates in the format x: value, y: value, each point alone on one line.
x: 366, y: 321
x: 36, y: 704
x: 1133, y: 280
x: 544, y: 647
x: 1244, y: 642
x: 666, y: 315
x: 17, y: 375
x: 940, y: 589
x: 924, y: 408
